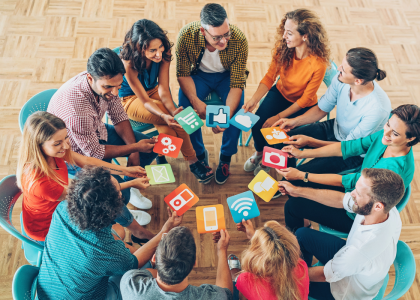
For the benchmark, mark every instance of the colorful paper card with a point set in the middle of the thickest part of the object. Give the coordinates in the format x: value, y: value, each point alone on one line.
x: 189, y: 120
x: 181, y: 199
x: 243, y: 206
x: 274, y: 135
x: 244, y: 121
x: 210, y: 218
x: 274, y: 158
x: 160, y: 174
x: 264, y: 186
x: 168, y: 145
x: 217, y: 115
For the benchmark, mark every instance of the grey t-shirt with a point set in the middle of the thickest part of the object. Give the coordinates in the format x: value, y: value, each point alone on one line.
x: 140, y: 284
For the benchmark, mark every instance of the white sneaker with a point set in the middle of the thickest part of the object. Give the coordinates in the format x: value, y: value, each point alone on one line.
x: 138, y: 200
x: 143, y: 218
x: 261, y: 167
x: 250, y: 166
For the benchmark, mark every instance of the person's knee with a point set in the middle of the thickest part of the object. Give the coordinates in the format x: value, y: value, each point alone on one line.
x: 291, y: 206
x: 119, y: 230
x: 302, y: 233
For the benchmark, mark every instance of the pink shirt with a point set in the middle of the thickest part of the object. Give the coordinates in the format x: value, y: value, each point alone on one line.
x: 247, y: 285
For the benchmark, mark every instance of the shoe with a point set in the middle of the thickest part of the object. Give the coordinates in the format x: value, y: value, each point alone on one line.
x: 138, y: 200
x: 200, y: 172
x: 250, y: 166
x: 143, y: 218
x: 222, y: 172
x: 261, y: 167
x: 138, y: 241
x: 205, y: 161
x: 161, y: 160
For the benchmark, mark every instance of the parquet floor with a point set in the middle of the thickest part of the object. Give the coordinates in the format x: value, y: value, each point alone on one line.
x: 43, y: 43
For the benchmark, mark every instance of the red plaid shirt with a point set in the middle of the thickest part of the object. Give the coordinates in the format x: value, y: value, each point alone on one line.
x: 76, y: 105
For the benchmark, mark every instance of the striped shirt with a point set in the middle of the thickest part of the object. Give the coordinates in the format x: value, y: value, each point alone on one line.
x: 234, y: 57
x: 76, y: 104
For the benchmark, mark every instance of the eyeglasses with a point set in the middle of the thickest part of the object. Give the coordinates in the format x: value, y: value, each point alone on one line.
x: 219, y: 37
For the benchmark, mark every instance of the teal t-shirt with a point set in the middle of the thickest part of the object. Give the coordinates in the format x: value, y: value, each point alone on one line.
x: 373, y: 148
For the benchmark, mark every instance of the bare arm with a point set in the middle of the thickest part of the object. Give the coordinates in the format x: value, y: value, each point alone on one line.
x: 325, y: 151
x: 316, y: 274
x: 164, y: 91
x: 223, y: 277
x: 256, y: 98
x: 233, y: 99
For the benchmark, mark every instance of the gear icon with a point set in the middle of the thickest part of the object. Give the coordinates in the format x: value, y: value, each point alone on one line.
x: 166, y: 141
x: 165, y: 151
x: 171, y: 147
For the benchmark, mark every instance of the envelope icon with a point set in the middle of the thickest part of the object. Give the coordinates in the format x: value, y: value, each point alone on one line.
x: 159, y: 174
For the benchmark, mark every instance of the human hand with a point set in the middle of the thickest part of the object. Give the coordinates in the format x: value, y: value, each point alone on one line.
x: 286, y: 188
x: 177, y: 111
x: 200, y: 108
x: 293, y: 152
x: 146, y: 145
x: 170, y: 121
x: 133, y: 159
x: 217, y: 129
x: 299, y: 141
x: 291, y: 174
x: 285, y: 124
x: 134, y: 171
x: 270, y: 122
x: 249, y: 106
x: 140, y: 183
x: 247, y: 227
x: 173, y: 221
x: 223, y: 241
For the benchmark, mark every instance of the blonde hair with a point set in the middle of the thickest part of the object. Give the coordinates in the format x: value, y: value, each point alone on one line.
x: 32, y: 163
x: 273, y: 257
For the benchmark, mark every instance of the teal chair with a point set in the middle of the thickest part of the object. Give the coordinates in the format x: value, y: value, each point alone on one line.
x: 400, y: 206
x: 9, y: 194
x: 405, y: 272
x: 23, y: 286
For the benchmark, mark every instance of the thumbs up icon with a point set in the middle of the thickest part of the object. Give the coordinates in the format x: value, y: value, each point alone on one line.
x: 220, y: 118
x: 217, y: 115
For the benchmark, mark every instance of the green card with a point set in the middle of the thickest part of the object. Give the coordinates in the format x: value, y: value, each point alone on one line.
x: 160, y: 174
x: 189, y: 120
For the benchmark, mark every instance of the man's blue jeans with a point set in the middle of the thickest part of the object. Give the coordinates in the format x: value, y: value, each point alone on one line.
x: 205, y: 83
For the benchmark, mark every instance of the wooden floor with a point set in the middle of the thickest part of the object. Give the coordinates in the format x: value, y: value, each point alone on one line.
x: 43, y: 43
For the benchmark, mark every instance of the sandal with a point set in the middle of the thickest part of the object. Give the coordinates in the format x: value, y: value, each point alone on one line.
x: 139, y: 241
x: 250, y: 166
x: 234, y: 263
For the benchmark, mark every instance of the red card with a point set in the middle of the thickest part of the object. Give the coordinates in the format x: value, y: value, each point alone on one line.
x: 274, y: 158
x: 168, y: 145
x: 181, y: 199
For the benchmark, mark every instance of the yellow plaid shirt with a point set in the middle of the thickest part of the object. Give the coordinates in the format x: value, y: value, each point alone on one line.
x: 191, y: 42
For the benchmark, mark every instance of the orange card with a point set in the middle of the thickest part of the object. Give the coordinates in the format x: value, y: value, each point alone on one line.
x: 168, y: 145
x: 210, y: 218
x: 181, y: 199
x: 274, y: 135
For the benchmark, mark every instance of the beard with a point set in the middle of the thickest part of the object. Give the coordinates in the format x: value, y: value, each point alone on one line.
x: 363, y: 210
x: 97, y: 93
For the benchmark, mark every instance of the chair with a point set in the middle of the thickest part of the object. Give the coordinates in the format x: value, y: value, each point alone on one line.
x: 400, y: 206
x: 39, y: 102
x: 9, y: 194
x: 22, y: 286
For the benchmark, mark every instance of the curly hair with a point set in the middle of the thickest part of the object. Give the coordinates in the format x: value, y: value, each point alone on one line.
x: 308, y: 23
x: 93, y: 200
x: 138, y: 39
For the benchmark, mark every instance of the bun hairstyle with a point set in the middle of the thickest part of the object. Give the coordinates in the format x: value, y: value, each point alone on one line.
x: 364, y: 64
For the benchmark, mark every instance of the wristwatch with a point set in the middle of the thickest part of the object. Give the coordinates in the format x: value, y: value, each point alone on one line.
x: 305, y: 179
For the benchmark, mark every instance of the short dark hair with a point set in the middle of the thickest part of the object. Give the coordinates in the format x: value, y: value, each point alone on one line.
x: 104, y: 63
x: 93, y: 200
x: 213, y: 14
x: 364, y: 65
x: 387, y: 186
x: 410, y: 115
x: 175, y: 255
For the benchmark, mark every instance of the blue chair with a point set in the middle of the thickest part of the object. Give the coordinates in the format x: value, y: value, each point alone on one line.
x: 405, y: 272
x: 9, y: 194
x: 23, y: 287
x: 400, y: 206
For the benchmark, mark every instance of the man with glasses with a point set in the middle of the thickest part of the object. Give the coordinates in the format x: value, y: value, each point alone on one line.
x: 211, y: 55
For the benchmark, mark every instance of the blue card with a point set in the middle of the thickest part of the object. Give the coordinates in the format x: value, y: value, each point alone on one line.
x: 244, y: 121
x: 217, y: 115
x: 243, y: 206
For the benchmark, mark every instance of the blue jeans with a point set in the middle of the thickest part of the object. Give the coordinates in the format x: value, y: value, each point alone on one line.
x: 205, y: 83
x: 323, y: 246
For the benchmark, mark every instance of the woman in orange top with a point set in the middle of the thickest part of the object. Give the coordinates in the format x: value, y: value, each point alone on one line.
x: 300, y: 57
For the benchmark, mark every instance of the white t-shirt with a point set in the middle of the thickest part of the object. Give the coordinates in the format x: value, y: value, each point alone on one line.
x: 210, y: 63
x: 358, y: 270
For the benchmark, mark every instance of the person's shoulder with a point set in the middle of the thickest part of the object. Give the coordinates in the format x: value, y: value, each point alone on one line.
x: 136, y: 282
x: 236, y: 33
x: 318, y: 63
x: 190, y: 28
x: 210, y: 292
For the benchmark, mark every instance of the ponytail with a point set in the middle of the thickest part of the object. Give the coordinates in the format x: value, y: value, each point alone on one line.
x: 364, y: 65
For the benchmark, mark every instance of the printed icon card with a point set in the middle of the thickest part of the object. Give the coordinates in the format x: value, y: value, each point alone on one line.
x: 181, y: 199
x: 210, y: 218
x: 274, y: 158
x: 243, y: 206
x: 160, y: 174
x: 264, y: 186
x: 274, y: 135
x: 244, y: 121
x: 189, y: 120
x: 168, y: 145
x: 217, y: 115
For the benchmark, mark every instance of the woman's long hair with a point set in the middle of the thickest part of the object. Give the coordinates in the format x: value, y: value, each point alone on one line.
x: 32, y: 164
x: 137, y: 40
x: 308, y: 23
x: 273, y: 257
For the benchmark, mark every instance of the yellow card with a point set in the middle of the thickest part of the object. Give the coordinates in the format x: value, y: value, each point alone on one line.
x: 264, y: 186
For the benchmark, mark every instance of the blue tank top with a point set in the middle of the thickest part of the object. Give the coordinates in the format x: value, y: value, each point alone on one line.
x: 148, y: 79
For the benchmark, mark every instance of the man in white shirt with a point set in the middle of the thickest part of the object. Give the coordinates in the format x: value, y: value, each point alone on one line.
x: 355, y: 268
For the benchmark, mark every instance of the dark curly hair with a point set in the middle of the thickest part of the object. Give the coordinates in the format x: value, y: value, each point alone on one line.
x: 93, y: 200
x: 137, y: 40
x: 410, y: 115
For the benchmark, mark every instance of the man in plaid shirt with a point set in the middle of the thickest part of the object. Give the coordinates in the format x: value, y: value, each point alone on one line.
x: 211, y: 55
x: 82, y: 103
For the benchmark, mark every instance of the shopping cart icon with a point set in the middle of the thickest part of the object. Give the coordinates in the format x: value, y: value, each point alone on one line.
x: 189, y: 120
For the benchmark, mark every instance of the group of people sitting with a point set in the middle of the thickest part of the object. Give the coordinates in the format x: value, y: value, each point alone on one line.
x: 85, y: 256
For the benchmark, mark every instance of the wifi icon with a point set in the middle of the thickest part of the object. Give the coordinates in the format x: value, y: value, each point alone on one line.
x: 243, y: 206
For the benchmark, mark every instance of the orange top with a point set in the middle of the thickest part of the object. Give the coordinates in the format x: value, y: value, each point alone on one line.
x: 300, y: 82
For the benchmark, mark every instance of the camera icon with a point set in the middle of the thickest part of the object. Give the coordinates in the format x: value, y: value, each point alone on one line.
x: 181, y: 199
x: 275, y: 159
